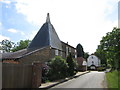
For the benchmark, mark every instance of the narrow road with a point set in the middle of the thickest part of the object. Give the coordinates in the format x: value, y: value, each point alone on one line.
x: 94, y: 79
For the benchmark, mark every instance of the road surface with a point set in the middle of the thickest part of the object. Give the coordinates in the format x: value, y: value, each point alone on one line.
x: 94, y: 79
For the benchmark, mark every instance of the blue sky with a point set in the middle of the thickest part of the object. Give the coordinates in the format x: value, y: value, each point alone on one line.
x: 14, y: 25
x: 75, y: 21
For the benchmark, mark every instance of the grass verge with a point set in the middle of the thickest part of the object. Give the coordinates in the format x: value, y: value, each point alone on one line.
x: 113, y: 79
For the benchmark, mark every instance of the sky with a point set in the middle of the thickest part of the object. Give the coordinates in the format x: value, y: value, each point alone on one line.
x: 75, y: 21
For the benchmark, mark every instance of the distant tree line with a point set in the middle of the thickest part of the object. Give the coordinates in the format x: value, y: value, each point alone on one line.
x: 9, y: 46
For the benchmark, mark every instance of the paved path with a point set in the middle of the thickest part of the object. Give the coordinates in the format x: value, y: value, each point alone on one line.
x: 94, y: 79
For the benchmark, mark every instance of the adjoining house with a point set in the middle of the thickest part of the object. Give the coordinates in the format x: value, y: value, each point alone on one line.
x: 93, y: 62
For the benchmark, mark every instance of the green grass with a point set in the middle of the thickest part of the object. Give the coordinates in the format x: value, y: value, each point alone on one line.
x: 112, y: 79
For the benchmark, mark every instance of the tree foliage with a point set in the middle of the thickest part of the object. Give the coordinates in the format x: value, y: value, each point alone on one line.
x: 86, y: 55
x: 9, y: 46
x: 59, y: 68
x: 109, y: 49
x: 21, y: 45
x: 6, y: 45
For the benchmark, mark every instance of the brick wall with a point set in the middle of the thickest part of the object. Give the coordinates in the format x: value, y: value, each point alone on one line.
x: 41, y: 55
x: 52, y: 53
x: 80, y: 60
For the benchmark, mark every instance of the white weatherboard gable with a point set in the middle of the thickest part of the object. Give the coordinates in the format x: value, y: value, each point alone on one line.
x: 93, y: 60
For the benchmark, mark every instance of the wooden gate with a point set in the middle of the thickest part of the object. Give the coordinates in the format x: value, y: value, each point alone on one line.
x: 21, y: 75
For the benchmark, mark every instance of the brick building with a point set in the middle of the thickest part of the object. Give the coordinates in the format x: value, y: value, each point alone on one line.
x: 44, y: 46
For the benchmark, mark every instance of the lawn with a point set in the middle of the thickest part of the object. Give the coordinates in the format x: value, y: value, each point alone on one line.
x: 113, y: 79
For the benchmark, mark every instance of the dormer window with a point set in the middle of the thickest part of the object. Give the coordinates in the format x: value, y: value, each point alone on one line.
x: 56, y: 52
x: 69, y: 49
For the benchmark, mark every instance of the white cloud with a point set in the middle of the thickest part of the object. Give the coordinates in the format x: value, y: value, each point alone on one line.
x: 75, y: 21
x: 13, y: 30
x: 0, y: 24
x: 3, y: 37
x: 16, y: 31
x: 1, y: 28
x: 22, y: 33
x: 6, y: 1
x: 7, y: 6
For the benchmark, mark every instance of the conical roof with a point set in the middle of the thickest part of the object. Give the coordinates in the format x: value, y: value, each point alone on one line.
x: 46, y: 36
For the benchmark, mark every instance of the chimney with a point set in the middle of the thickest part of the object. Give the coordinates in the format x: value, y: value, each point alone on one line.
x: 48, y: 18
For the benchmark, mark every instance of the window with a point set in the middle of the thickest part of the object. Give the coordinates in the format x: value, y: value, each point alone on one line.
x: 66, y: 51
x: 61, y: 53
x: 75, y: 56
x: 92, y: 62
x: 75, y: 51
x: 69, y: 49
x: 56, y: 52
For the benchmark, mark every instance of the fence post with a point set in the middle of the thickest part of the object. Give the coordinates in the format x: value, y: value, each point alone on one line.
x: 37, y: 74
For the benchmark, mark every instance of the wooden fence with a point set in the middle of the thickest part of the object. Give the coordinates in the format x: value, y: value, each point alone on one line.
x: 17, y: 75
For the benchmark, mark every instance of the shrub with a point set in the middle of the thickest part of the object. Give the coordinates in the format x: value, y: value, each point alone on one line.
x: 101, y: 68
x: 58, y: 68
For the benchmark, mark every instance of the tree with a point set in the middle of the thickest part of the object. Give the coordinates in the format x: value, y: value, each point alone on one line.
x: 7, y: 45
x: 80, y: 52
x: 86, y: 55
x: 71, y: 65
x: 21, y: 45
x: 109, y: 49
x: 101, y: 54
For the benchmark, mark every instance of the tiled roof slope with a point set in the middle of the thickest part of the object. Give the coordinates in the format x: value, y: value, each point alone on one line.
x: 46, y: 36
x: 13, y: 55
